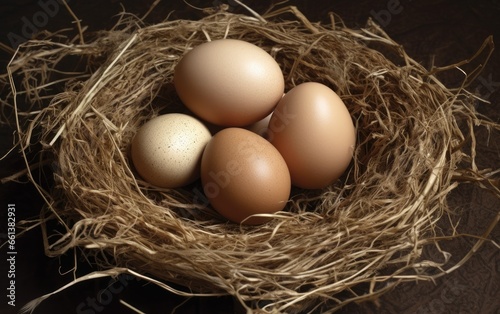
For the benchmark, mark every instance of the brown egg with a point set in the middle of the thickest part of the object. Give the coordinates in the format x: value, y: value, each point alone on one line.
x: 313, y: 130
x: 229, y: 82
x: 243, y: 174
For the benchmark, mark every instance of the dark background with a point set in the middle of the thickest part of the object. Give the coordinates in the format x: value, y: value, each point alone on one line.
x: 438, y: 32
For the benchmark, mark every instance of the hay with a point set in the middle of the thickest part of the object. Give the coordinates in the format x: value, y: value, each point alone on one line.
x: 368, y: 229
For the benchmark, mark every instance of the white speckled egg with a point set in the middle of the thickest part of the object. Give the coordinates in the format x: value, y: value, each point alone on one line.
x: 167, y: 150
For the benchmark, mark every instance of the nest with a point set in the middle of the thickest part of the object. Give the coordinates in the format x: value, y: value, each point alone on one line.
x: 367, y: 230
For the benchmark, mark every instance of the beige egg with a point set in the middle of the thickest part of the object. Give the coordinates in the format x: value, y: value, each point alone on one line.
x: 260, y: 127
x: 313, y: 130
x: 244, y: 175
x: 167, y: 150
x: 229, y: 82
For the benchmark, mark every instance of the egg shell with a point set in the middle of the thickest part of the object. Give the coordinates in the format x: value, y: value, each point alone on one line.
x: 229, y: 82
x: 243, y: 174
x: 260, y: 127
x: 313, y: 130
x: 166, y: 151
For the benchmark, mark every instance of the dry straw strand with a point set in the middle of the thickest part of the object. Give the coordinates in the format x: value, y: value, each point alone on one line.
x: 369, y: 229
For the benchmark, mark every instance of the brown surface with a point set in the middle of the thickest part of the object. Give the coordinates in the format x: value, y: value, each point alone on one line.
x: 444, y: 31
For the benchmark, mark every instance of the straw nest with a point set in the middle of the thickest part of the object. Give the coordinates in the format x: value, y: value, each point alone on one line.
x: 87, y: 96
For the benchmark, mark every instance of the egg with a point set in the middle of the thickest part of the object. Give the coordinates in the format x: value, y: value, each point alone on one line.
x: 313, y: 130
x: 166, y: 151
x: 229, y: 82
x: 260, y: 127
x: 242, y: 175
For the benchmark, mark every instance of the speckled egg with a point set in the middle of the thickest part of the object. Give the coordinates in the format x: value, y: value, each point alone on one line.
x: 167, y: 150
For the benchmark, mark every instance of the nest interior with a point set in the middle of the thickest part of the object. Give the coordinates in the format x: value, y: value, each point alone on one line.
x: 369, y: 228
